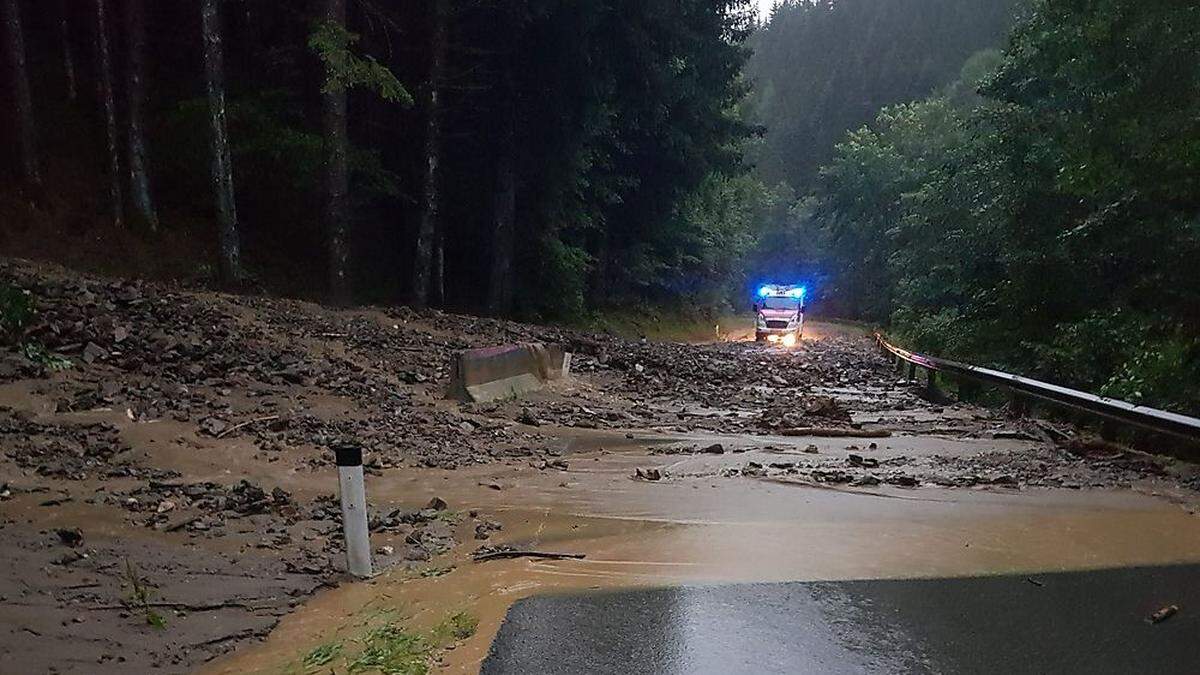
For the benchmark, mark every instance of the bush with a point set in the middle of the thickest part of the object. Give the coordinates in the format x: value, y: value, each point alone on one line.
x: 16, y: 311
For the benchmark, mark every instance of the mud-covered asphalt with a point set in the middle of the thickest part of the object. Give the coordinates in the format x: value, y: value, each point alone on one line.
x: 1071, y: 622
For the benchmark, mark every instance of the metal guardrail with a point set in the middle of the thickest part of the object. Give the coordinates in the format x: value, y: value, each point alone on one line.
x: 1147, y: 418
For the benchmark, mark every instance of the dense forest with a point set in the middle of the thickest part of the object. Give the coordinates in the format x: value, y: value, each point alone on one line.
x: 1041, y: 212
x: 488, y: 155
x: 824, y: 67
x: 1010, y: 182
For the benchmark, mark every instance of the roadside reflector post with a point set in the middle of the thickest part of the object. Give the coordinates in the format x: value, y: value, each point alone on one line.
x: 354, y: 509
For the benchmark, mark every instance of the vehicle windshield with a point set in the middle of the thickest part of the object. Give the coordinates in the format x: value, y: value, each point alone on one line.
x: 780, y: 303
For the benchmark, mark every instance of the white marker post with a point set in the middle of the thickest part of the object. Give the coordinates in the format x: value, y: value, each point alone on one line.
x: 354, y: 509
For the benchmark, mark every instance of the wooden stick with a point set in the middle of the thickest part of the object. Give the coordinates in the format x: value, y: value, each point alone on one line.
x: 247, y: 423
x: 505, y: 555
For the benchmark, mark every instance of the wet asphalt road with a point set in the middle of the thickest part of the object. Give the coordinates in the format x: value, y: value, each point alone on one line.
x: 1075, y: 622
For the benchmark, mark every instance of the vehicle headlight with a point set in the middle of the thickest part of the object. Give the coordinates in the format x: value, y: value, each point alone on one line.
x: 762, y: 322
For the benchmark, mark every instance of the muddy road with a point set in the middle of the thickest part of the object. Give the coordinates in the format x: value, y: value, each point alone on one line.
x: 167, y: 500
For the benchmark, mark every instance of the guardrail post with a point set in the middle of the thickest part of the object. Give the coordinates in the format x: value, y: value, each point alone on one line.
x: 1018, y: 406
x: 912, y: 372
x: 968, y: 390
x: 931, y: 385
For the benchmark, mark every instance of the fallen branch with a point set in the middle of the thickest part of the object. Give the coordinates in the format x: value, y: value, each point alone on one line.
x: 830, y: 432
x: 241, y: 425
x: 504, y: 555
x: 177, y: 605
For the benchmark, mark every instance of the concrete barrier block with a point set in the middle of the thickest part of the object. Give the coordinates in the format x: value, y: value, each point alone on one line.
x: 507, y: 371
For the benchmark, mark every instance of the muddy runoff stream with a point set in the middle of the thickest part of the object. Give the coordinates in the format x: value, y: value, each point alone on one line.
x: 702, y: 525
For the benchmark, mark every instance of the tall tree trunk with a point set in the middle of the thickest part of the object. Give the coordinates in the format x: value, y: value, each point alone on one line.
x: 429, y: 228
x: 68, y: 51
x: 222, y: 165
x: 135, y: 90
x: 115, y: 199
x: 337, y: 181
x: 504, y: 207
x: 14, y: 45
x: 437, y: 281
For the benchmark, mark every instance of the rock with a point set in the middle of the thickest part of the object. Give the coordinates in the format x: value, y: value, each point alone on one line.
x: 812, y: 449
x: 93, y: 352
x: 437, y: 504
x: 386, y: 551
x: 902, y: 480
x: 826, y: 406
x: 866, y: 481
x: 165, y: 506
x: 483, y: 530
x: 648, y: 474
x: 1163, y: 614
x: 859, y: 460
x: 213, y: 426
x: 1013, y: 434
x: 714, y: 449
x: 72, y: 537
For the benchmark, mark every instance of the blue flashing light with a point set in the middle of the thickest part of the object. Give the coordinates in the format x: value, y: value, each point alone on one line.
x: 769, y: 291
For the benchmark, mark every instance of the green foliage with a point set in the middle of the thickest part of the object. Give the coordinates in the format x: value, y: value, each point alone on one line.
x: 457, y: 626
x: 270, y: 142
x: 16, y: 311
x: 391, y: 650
x: 322, y: 655
x: 333, y: 43
x: 1048, y: 226
x: 630, y: 144
x: 562, y: 275
x: 825, y: 67
x: 37, y: 352
x: 140, y: 595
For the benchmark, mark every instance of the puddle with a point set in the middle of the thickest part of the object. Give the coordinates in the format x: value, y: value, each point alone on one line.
x: 710, y: 530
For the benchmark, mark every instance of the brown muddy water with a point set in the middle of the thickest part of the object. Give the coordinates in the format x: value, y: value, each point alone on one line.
x: 701, y: 528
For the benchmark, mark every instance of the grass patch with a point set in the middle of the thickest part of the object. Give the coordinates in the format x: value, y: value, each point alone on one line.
x: 453, y: 628
x: 391, y: 650
x: 322, y: 655
x: 140, y: 595
x: 450, y: 516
